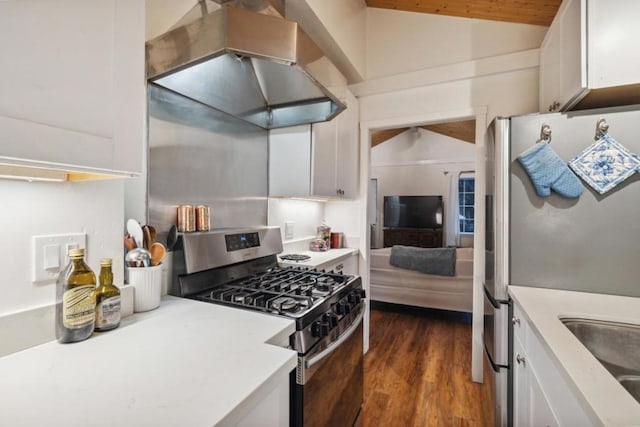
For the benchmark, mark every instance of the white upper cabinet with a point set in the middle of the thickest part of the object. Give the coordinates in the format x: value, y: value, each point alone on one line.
x: 588, y: 58
x: 319, y: 160
x: 73, y: 84
x: 335, y: 154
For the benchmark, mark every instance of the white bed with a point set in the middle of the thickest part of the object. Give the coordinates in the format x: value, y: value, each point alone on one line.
x: 401, y: 286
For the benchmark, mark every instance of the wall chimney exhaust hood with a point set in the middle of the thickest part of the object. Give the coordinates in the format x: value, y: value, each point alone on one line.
x: 260, y: 68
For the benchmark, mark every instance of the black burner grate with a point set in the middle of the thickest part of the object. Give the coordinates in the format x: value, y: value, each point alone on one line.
x: 294, y: 257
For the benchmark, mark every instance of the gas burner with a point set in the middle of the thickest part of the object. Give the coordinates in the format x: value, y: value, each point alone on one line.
x: 324, y: 284
x: 306, y: 281
x: 284, y: 304
x: 242, y: 298
x: 294, y: 257
x: 303, y: 290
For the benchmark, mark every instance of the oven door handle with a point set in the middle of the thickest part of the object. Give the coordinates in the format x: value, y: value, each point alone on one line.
x: 337, y: 343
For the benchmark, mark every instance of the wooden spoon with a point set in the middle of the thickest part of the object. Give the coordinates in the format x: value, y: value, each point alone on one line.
x: 158, y: 252
x: 129, y: 242
x: 146, y: 237
x: 152, y: 233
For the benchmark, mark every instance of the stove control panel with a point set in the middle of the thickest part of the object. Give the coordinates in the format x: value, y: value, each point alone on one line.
x: 236, y: 242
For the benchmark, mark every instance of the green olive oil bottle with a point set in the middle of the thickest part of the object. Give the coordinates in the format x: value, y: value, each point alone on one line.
x: 107, y: 299
x: 75, y: 300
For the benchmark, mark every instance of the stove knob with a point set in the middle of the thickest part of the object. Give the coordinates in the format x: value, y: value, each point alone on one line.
x: 320, y: 329
x: 325, y: 328
x: 342, y: 308
x: 317, y: 329
x: 331, y: 319
x: 353, y: 298
x: 363, y: 293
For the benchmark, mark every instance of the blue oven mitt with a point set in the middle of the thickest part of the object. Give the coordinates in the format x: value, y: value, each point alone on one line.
x: 549, y: 172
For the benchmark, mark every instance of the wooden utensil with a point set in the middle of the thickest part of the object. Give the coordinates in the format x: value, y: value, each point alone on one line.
x: 129, y: 242
x: 146, y: 237
x: 152, y: 232
x: 158, y: 252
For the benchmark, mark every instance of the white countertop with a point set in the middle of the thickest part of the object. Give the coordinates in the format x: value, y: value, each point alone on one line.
x: 592, y: 383
x: 186, y: 363
x: 319, y: 259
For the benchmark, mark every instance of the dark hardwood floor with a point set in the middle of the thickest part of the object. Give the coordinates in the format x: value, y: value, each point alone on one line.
x: 418, y: 371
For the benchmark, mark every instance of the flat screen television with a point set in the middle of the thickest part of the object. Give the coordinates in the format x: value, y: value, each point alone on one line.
x: 413, y: 211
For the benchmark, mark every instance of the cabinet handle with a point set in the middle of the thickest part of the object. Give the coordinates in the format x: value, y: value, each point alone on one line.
x: 515, y: 321
x: 520, y: 360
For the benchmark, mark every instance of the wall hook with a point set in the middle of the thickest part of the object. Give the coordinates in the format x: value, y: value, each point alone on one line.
x: 602, y: 127
x: 545, y: 133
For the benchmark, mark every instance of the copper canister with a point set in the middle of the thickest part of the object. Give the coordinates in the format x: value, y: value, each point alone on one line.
x: 186, y: 218
x: 336, y: 240
x: 202, y: 218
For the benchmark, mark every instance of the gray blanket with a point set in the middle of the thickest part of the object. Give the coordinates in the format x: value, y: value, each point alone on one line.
x: 439, y: 261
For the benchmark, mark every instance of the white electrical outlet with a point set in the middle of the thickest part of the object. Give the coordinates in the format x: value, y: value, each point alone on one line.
x: 288, y: 230
x: 50, y: 254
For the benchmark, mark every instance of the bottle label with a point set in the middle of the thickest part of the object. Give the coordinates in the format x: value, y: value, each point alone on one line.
x: 79, y: 306
x: 108, y: 312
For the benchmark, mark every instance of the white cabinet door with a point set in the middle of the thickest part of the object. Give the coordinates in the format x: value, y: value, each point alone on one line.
x: 347, y: 153
x: 563, y: 58
x: 613, y: 43
x: 324, y: 158
x: 573, y: 55
x: 521, y: 389
x: 540, y: 412
x: 550, y: 59
x: 73, y: 83
x: 290, y: 161
x: 318, y: 160
x: 589, y: 57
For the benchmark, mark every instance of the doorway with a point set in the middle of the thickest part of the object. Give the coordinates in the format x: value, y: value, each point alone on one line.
x: 479, y: 115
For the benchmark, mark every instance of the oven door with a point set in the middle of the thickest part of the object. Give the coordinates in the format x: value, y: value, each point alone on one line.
x: 333, y: 379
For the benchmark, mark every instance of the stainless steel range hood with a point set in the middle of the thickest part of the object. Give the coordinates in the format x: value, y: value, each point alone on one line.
x: 260, y: 68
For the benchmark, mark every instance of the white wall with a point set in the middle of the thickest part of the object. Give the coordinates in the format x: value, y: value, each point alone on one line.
x: 30, y: 209
x: 414, y: 164
x: 306, y: 215
x: 400, y: 42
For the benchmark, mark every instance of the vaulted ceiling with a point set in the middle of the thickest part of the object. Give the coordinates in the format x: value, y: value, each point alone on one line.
x: 464, y: 130
x: 536, y: 12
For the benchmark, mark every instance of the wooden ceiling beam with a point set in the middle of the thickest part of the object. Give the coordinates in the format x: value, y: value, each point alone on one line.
x: 535, y: 12
x: 380, y: 136
x: 463, y: 130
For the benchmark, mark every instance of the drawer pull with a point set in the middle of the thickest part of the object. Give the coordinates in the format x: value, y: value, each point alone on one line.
x: 515, y: 321
x: 520, y: 360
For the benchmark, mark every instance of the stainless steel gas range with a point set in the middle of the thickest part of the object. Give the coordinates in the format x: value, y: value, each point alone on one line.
x: 238, y: 268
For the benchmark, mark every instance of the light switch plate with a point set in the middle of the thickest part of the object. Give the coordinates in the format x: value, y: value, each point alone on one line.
x: 46, y: 263
x: 288, y: 230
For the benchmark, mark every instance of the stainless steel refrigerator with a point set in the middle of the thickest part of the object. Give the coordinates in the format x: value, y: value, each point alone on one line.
x: 588, y: 244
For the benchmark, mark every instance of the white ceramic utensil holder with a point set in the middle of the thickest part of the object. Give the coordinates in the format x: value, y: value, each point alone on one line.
x: 147, y: 284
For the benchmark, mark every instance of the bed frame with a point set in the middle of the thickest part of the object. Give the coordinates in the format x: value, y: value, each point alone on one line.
x: 400, y: 286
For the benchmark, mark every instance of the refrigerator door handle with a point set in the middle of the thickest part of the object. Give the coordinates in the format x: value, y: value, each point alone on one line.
x: 496, y: 367
x: 495, y: 302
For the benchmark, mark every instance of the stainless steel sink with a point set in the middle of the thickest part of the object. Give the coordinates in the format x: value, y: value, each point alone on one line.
x: 615, y: 345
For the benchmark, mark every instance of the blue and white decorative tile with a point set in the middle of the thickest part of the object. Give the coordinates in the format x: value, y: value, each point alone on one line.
x: 605, y: 164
